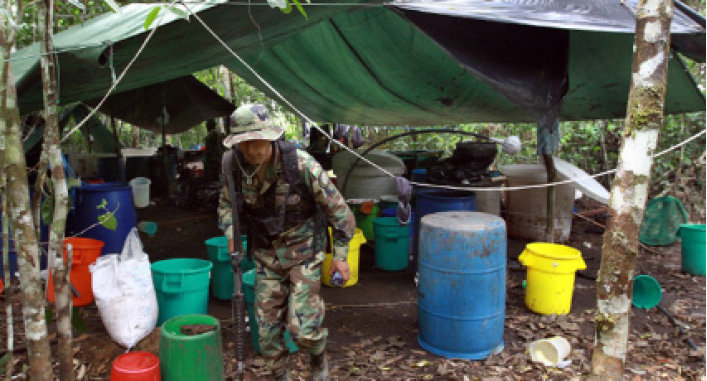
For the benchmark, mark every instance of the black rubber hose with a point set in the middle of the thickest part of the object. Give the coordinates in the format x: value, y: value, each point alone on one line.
x: 682, y: 331
x: 417, y: 132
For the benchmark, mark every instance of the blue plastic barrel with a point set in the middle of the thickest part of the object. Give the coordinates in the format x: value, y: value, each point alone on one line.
x: 119, y: 198
x: 430, y: 200
x: 462, y: 284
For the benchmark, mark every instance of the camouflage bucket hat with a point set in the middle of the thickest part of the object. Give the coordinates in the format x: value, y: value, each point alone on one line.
x: 251, y: 122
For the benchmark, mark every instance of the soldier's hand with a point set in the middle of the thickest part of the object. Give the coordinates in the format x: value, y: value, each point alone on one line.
x: 342, y: 267
x: 231, y: 246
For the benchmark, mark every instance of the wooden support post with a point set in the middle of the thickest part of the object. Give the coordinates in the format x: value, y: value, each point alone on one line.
x: 551, y: 176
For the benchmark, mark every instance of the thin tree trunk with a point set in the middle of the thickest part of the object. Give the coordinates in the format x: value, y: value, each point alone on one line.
x: 601, y: 126
x: 60, y: 193
x: 20, y: 215
x: 7, y: 275
x: 225, y: 81
x: 629, y: 190
x: 136, y: 136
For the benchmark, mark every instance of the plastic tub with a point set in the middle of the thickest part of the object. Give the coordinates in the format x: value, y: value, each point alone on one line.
x: 85, y: 251
x: 222, y: 272
x: 136, y: 366
x: 182, y: 287
x: 392, y: 244
x: 141, y: 191
x: 550, y: 276
x: 526, y: 210
x: 191, y: 357
x: 693, y: 248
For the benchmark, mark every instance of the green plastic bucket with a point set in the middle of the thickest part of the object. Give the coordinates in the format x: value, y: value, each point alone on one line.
x: 222, y: 272
x: 693, y: 248
x: 391, y: 244
x: 190, y: 357
x: 365, y: 221
x: 248, y: 291
x: 646, y: 292
x: 182, y: 287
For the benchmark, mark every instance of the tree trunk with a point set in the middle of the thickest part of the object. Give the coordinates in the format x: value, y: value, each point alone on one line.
x: 601, y: 127
x: 225, y: 76
x: 550, y: 210
x: 629, y: 190
x: 60, y: 193
x: 20, y: 215
x: 7, y: 276
x: 136, y: 136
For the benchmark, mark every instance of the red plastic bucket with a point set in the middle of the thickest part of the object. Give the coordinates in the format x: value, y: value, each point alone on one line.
x: 136, y: 366
x: 85, y: 252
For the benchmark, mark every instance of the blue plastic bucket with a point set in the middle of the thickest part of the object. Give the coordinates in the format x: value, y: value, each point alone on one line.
x: 182, y: 287
x: 119, y: 198
x: 462, y: 284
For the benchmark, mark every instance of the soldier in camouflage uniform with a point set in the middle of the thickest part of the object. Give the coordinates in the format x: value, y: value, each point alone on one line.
x: 289, y: 262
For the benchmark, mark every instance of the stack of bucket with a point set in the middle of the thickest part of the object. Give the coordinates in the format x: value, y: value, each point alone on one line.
x: 85, y: 251
x: 222, y: 270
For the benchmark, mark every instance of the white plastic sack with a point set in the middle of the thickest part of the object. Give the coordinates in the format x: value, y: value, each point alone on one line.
x: 124, y: 293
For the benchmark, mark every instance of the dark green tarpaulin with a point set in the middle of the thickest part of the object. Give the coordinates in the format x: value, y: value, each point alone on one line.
x: 358, y: 65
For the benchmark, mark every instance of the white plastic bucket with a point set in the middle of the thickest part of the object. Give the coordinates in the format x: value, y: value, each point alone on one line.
x: 550, y: 352
x: 141, y: 191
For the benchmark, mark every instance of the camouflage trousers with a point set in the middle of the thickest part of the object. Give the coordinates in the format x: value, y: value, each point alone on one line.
x: 289, y: 299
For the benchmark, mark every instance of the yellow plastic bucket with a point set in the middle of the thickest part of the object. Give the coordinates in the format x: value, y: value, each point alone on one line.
x: 550, y: 276
x: 354, y: 254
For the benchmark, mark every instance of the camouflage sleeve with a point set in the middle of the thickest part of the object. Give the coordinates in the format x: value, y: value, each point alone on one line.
x: 225, y: 215
x: 332, y: 203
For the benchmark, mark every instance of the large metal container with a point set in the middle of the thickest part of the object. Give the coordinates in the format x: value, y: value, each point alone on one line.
x: 462, y: 284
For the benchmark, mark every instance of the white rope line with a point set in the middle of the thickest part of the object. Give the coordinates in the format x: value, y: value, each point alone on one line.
x: 426, y: 185
x: 120, y: 77
x: 281, y: 97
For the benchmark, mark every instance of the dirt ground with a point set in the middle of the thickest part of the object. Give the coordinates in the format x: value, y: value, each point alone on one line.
x: 373, y: 325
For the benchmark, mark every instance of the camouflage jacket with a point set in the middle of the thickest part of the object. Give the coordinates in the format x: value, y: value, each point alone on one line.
x: 295, y: 245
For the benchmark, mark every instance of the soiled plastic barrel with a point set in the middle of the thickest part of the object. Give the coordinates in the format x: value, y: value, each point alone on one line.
x: 462, y: 284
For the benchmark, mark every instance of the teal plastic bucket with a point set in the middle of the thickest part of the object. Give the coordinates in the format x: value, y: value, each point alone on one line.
x: 222, y: 272
x: 646, y: 292
x: 182, y: 287
x: 392, y: 241
x: 249, y: 291
x: 693, y: 248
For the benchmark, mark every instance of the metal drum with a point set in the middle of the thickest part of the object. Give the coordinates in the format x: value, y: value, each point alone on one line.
x: 462, y: 284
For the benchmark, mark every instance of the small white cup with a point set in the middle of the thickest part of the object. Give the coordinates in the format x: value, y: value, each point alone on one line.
x: 550, y: 352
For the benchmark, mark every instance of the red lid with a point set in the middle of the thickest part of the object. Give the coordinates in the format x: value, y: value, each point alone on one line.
x: 136, y: 362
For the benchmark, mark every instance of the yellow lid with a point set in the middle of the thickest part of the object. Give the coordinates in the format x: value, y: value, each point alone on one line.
x: 553, y: 250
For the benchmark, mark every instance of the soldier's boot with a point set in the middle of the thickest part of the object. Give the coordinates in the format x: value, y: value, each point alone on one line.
x: 320, y: 367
